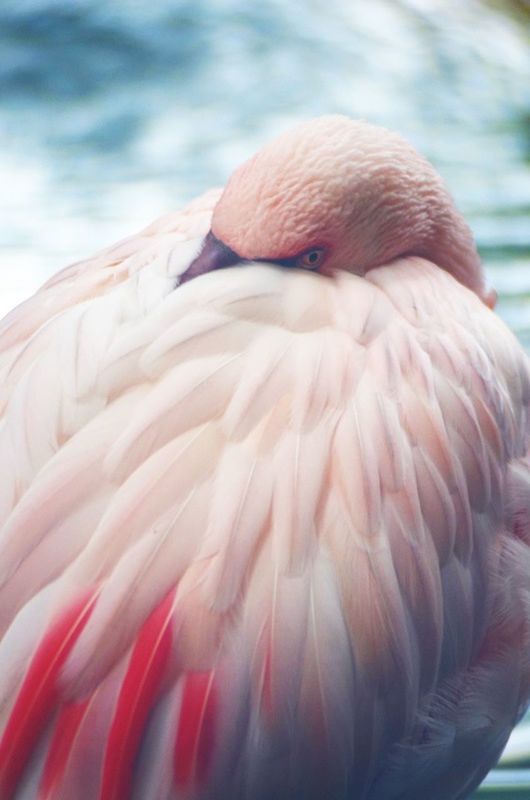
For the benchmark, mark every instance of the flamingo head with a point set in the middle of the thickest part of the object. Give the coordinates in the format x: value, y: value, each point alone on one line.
x: 333, y: 193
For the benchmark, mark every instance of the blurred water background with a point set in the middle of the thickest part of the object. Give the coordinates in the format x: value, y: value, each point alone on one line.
x: 113, y: 113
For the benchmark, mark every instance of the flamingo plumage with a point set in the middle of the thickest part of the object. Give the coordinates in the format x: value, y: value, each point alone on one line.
x: 265, y: 497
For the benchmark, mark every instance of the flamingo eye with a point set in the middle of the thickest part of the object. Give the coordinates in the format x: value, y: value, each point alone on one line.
x: 311, y: 259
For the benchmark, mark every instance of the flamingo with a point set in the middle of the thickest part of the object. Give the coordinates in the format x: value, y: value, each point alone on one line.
x: 265, y: 497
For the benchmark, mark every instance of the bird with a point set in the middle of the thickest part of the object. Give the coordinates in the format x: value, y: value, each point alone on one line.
x: 265, y: 497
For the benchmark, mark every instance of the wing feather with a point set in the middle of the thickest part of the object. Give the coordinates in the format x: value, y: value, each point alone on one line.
x: 322, y: 473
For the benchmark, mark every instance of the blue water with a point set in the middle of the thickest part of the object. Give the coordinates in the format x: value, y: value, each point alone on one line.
x: 113, y: 113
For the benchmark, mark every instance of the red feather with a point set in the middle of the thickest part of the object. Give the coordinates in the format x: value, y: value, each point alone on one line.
x: 138, y: 694
x: 39, y: 692
x: 63, y: 741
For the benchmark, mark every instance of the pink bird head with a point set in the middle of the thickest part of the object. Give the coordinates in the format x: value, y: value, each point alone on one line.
x: 334, y: 193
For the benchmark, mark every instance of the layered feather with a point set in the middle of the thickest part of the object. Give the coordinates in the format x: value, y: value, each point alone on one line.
x: 300, y: 508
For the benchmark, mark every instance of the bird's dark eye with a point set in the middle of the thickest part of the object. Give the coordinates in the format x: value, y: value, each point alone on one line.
x: 312, y: 259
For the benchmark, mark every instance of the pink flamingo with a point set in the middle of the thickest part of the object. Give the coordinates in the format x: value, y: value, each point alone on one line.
x: 265, y: 529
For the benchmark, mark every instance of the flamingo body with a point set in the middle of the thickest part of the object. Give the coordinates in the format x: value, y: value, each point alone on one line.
x: 264, y: 533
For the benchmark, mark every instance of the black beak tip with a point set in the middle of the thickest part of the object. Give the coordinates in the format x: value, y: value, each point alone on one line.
x: 214, y: 255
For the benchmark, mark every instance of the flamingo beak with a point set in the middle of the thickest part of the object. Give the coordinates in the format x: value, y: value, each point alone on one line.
x: 213, y: 255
